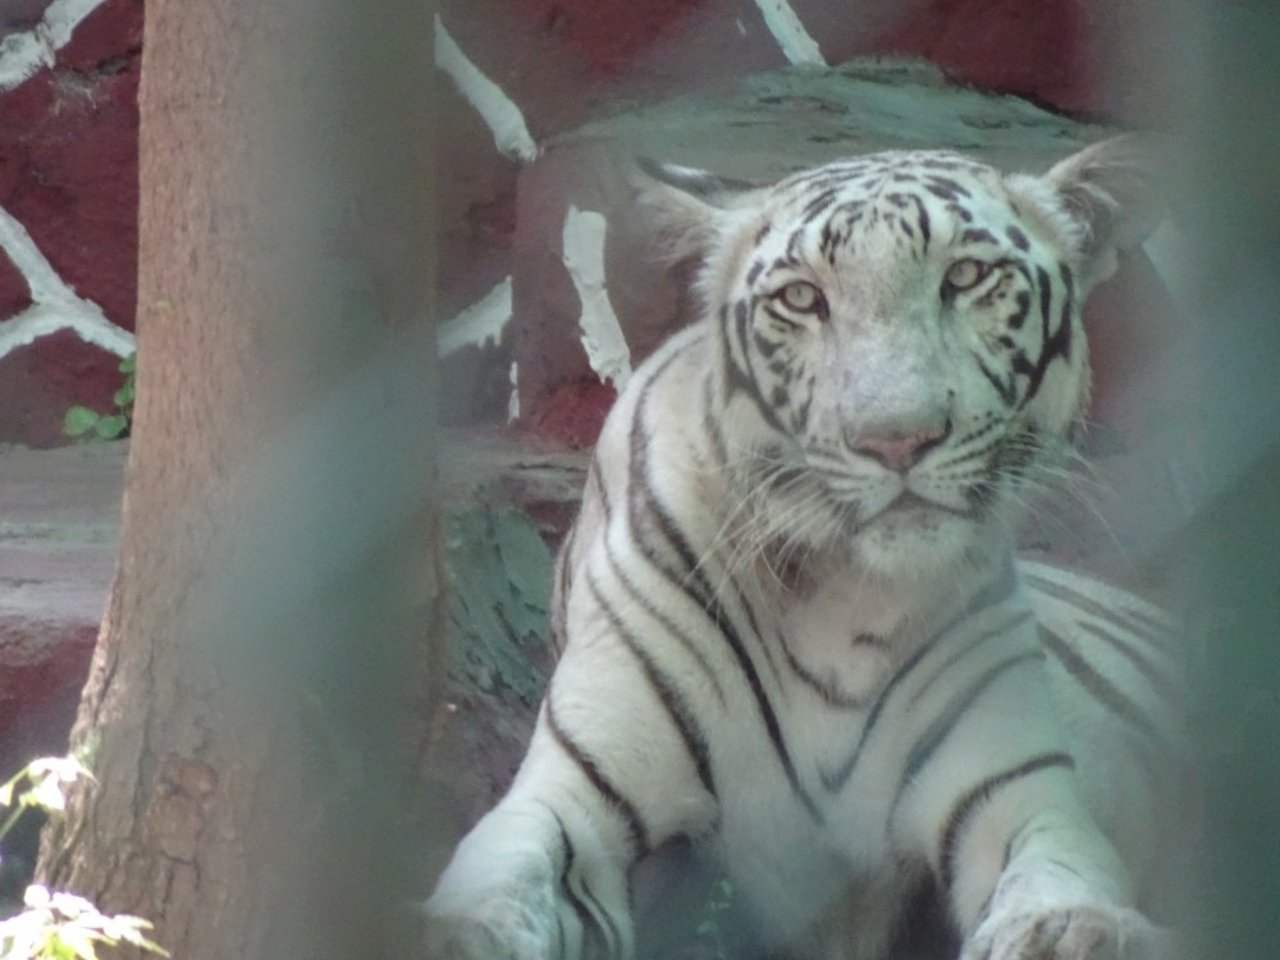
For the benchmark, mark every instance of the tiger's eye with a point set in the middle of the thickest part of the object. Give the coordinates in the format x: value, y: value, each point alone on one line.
x: 967, y: 273
x: 801, y: 296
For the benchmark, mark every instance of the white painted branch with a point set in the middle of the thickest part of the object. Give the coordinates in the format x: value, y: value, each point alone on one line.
x: 42, y: 280
x: 797, y: 46
x: 607, y: 351
x: 496, y: 109
x: 480, y: 323
x: 85, y: 318
x: 513, y: 399
x: 55, y: 306
x: 22, y: 54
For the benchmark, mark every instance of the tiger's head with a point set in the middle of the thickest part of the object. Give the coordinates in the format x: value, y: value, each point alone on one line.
x: 897, y: 337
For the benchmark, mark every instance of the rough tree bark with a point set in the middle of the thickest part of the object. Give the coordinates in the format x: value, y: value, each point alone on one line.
x: 274, y: 578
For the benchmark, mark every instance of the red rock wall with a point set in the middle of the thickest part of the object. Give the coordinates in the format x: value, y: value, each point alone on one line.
x: 68, y: 134
x: 68, y: 174
x: 561, y: 60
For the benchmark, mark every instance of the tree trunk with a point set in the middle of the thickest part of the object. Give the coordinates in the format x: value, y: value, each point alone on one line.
x: 245, y: 709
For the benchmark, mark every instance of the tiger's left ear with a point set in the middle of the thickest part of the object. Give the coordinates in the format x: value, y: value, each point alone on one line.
x: 689, y: 207
x: 1104, y: 199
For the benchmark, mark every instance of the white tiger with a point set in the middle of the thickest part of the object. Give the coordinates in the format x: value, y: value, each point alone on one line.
x: 793, y: 628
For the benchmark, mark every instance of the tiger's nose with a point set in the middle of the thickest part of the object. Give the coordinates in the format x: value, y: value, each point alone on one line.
x: 899, y: 451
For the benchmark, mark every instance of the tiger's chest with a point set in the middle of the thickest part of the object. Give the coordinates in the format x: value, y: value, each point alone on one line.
x: 853, y: 672
x: 793, y: 844
x: 839, y: 644
x: 836, y: 652
x: 802, y: 836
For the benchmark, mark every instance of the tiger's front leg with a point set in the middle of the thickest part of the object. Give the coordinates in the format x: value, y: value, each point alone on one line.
x: 1061, y: 891
x: 994, y: 795
x: 1062, y: 897
x: 542, y: 875
x: 545, y: 874
x: 524, y: 885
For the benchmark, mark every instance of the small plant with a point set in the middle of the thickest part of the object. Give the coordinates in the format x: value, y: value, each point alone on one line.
x: 44, y: 780
x: 58, y: 926
x: 61, y: 926
x: 83, y: 422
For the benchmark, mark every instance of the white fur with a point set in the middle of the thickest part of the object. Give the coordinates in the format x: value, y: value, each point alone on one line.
x: 910, y: 705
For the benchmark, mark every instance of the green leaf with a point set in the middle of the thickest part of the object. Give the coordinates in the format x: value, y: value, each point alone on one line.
x: 108, y: 428
x: 79, y: 421
x: 54, y: 947
x: 524, y: 554
x: 495, y: 621
x: 130, y: 363
x: 124, y: 396
x: 80, y: 942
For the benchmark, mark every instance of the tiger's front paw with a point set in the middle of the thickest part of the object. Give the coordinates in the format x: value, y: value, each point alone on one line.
x: 1078, y: 932
x: 500, y: 930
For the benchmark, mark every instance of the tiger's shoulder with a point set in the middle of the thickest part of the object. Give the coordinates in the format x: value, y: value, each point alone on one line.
x: 660, y: 406
x: 1128, y: 654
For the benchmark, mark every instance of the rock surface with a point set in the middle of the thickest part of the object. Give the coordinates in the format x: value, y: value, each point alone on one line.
x: 58, y: 510
x: 59, y: 524
x: 769, y: 125
x: 68, y: 134
x: 508, y: 498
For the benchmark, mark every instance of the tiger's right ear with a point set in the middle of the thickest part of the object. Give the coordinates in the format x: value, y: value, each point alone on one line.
x: 1103, y: 200
x: 689, y: 207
